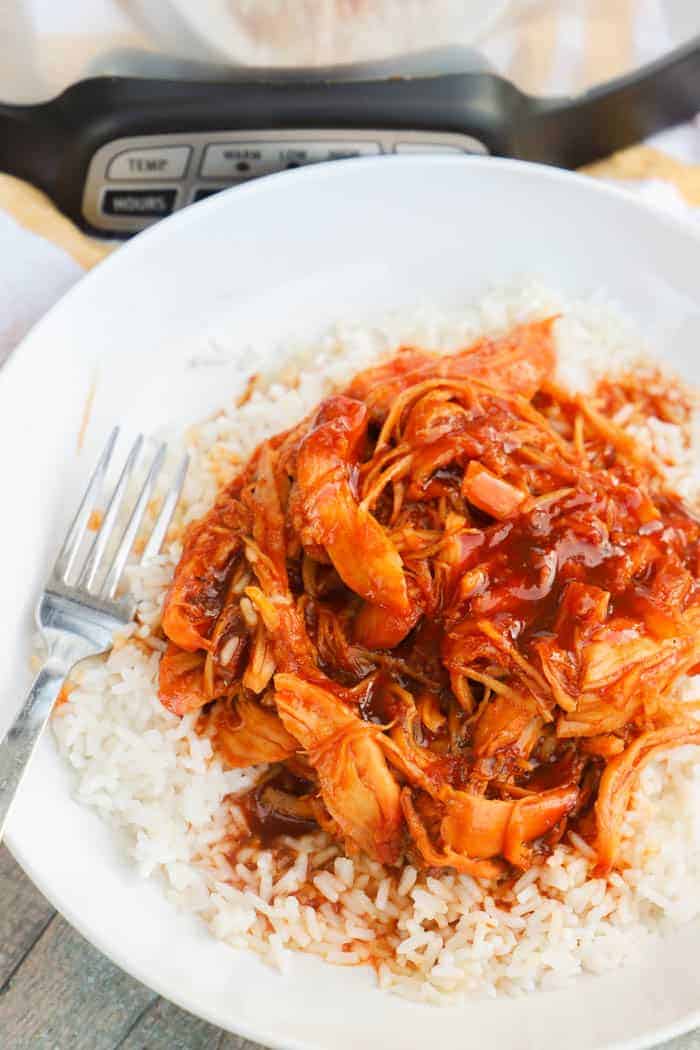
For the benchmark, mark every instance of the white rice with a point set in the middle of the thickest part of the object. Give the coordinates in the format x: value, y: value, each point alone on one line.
x: 430, y: 938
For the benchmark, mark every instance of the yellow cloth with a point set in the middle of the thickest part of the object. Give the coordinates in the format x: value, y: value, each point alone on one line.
x: 643, y: 162
x: 32, y: 209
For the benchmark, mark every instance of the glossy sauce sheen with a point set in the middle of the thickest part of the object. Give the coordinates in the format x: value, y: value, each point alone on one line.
x: 537, y: 556
x: 267, y: 823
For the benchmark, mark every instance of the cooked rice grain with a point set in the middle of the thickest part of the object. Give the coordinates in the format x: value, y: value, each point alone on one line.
x: 434, y: 938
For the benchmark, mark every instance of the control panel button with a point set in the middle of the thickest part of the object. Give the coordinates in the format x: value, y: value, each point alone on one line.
x: 426, y: 147
x: 145, y: 204
x: 247, y: 159
x: 291, y: 153
x: 235, y: 159
x: 164, y: 162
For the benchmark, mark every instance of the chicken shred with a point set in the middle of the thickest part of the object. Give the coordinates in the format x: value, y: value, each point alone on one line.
x: 458, y: 599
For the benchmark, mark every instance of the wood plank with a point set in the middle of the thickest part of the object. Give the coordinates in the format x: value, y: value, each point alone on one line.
x: 24, y: 915
x: 691, y: 1041
x: 67, y: 995
x: 165, y: 1026
x: 236, y: 1042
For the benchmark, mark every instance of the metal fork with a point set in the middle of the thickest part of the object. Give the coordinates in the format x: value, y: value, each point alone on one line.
x: 79, y: 611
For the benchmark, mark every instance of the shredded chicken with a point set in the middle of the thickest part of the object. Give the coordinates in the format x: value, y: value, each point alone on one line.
x: 450, y: 607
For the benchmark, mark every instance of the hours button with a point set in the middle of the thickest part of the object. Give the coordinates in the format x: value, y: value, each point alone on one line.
x: 145, y: 204
x: 157, y: 162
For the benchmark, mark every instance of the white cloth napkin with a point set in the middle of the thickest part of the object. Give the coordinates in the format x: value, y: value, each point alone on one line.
x: 34, y: 273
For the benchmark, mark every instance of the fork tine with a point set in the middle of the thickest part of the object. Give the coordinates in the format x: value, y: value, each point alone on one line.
x: 111, y: 582
x: 155, y: 540
x: 74, y: 536
x: 92, y: 563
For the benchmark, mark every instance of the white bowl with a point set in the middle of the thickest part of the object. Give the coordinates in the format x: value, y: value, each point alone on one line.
x: 287, y: 254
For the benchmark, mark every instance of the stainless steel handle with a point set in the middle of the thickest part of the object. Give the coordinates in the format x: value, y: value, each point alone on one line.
x: 18, y: 745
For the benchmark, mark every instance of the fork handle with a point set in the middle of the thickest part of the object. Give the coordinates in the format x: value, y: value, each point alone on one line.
x: 20, y: 740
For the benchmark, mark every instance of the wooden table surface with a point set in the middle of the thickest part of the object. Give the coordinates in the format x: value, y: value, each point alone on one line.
x: 57, y: 992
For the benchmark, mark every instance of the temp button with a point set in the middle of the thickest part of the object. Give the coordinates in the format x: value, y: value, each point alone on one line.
x: 159, y: 162
x: 145, y: 203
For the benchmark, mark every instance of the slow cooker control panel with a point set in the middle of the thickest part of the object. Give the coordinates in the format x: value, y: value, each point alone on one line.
x: 133, y: 182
